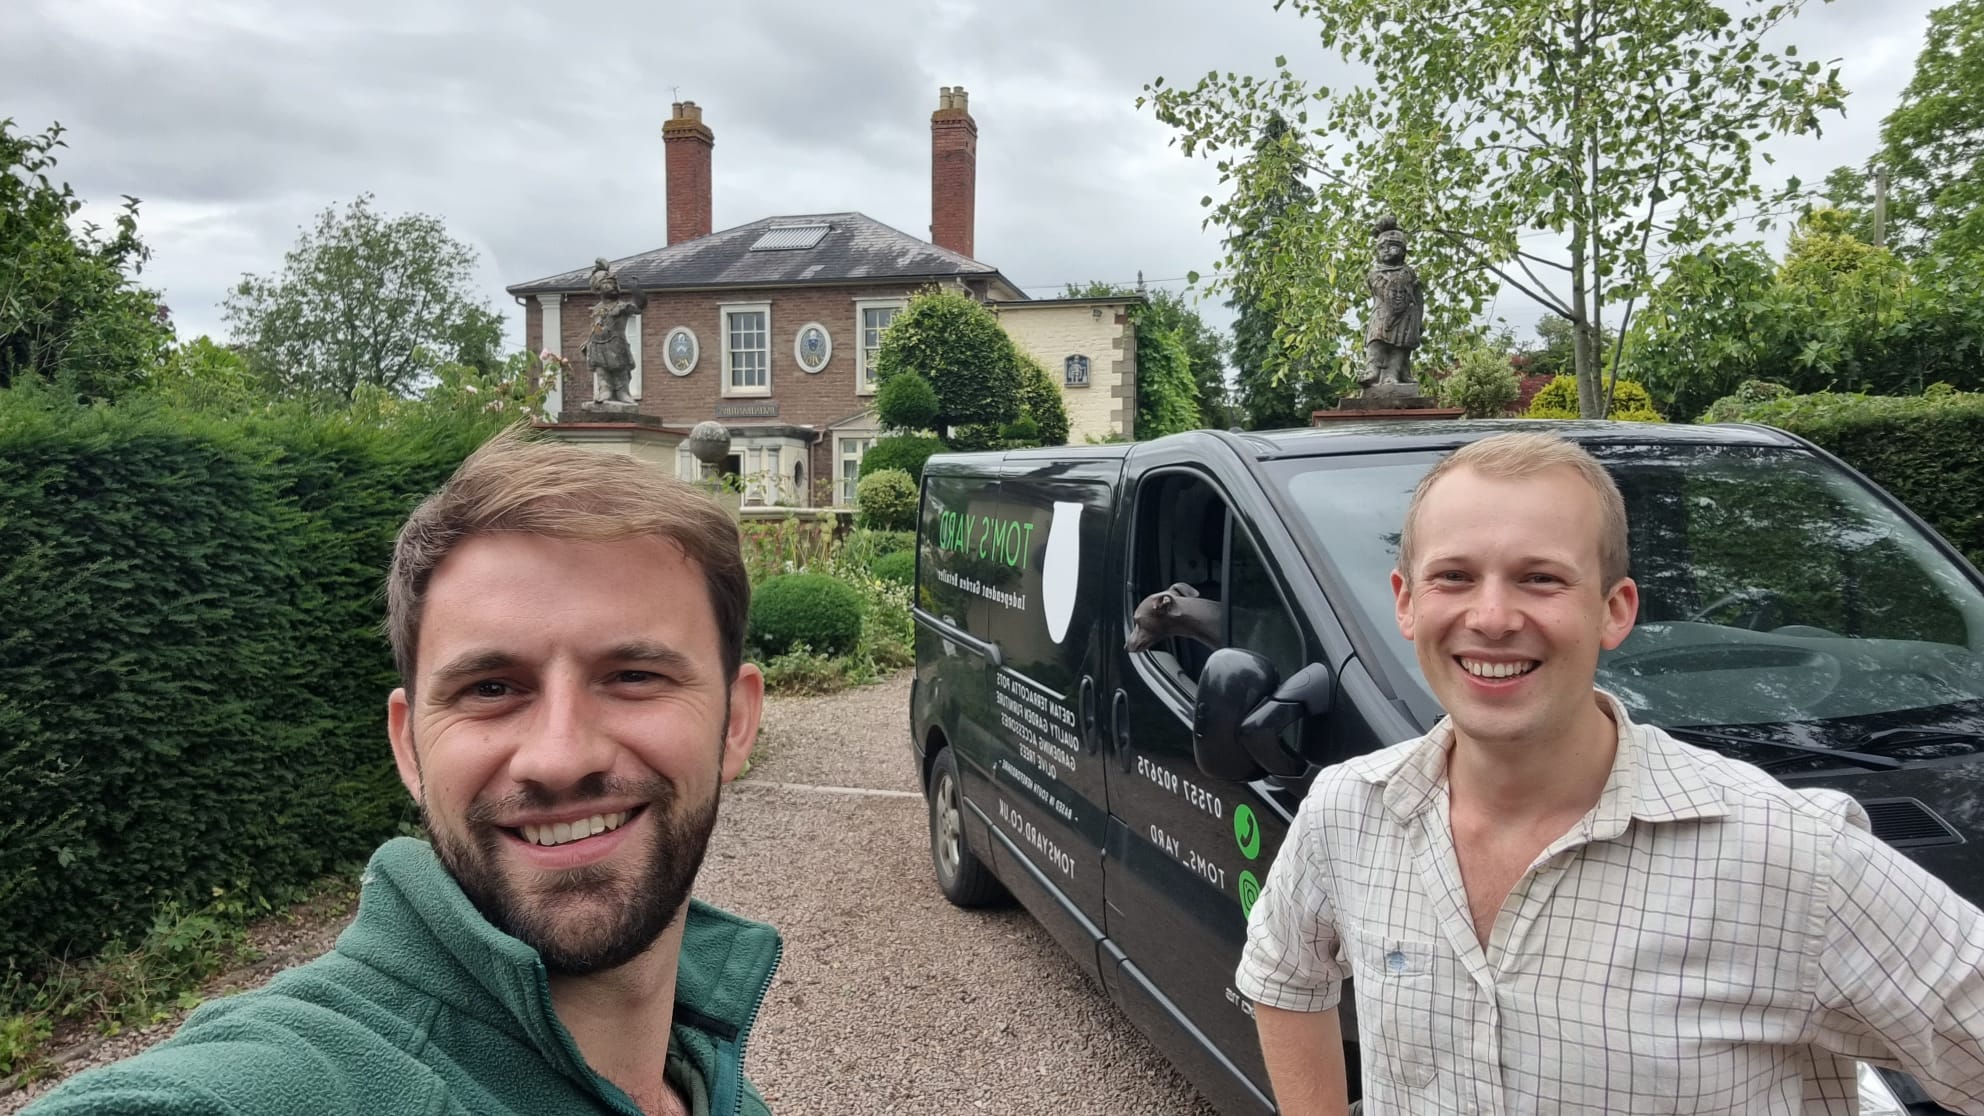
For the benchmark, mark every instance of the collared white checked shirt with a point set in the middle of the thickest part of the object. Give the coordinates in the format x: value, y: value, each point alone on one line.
x: 1704, y: 941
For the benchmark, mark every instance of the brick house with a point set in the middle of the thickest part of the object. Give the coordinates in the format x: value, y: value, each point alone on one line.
x: 772, y: 327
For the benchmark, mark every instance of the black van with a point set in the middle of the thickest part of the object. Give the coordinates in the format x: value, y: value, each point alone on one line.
x: 1791, y: 614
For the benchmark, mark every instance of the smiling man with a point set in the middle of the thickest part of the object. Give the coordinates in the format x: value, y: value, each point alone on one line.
x: 569, y: 631
x: 1548, y: 908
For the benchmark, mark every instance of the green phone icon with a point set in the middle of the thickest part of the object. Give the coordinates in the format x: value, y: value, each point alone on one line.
x: 1247, y: 831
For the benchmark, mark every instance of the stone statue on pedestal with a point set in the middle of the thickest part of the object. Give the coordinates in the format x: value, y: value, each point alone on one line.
x: 1398, y: 311
x: 606, y: 351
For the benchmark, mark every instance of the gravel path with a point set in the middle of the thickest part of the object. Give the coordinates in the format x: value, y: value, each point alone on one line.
x: 889, y: 1000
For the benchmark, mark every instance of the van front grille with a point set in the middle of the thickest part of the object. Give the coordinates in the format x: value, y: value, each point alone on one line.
x: 1907, y: 823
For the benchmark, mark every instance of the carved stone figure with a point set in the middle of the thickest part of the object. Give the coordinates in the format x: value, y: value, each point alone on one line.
x: 1398, y: 311
x: 606, y: 351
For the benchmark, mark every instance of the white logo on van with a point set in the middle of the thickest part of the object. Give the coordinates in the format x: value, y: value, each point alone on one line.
x: 1061, y: 567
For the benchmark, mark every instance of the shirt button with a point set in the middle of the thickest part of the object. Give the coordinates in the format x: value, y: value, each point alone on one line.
x: 1395, y: 961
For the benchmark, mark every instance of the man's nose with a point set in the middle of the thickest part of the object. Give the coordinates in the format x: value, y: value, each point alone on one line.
x: 564, y: 741
x: 1494, y: 611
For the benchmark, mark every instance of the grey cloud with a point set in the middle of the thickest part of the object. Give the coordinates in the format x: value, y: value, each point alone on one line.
x: 535, y: 132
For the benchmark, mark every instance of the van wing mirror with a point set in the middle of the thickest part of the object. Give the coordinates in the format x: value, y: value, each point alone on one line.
x: 1242, y: 708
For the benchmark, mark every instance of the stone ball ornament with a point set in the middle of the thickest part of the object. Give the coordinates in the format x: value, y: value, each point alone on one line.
x: 709, y: 442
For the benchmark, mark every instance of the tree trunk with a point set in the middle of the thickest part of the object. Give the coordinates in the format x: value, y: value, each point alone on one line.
x: 1583, y: 356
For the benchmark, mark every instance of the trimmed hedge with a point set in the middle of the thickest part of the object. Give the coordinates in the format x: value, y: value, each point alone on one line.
x: 191, y: 673
x: 1559, y: 400
x: 885, y: 500
x: 907, y: 452
x: 899, y: 567
x: 808, y: 609
x: 1928, y: 450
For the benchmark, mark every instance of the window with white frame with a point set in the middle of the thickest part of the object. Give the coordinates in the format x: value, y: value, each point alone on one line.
x: 875, y: 316
x: 852, y: 447
x: 747, y: 351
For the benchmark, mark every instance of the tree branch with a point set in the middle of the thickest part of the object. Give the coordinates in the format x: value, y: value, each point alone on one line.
x: 1480, y: 257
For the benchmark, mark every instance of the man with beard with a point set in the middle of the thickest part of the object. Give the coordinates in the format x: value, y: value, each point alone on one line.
x: 569, y: 629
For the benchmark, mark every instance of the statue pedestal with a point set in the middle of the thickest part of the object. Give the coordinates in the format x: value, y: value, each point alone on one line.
x: 1385, y: 402
x: 619, y: 428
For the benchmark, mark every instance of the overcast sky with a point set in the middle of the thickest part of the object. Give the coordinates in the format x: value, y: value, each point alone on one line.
x: 536, y: 135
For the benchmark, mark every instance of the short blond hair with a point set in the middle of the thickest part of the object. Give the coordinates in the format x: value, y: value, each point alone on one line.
x: 1514, y: 456
x: 517, y: 483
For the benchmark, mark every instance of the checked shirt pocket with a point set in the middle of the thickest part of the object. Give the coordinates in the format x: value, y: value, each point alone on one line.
x: 1393, y: 983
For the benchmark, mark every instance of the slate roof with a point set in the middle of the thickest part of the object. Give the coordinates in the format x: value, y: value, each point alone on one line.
x: 854, y: 247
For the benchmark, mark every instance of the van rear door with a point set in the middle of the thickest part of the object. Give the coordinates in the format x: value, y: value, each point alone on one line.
x: 1043, y: 554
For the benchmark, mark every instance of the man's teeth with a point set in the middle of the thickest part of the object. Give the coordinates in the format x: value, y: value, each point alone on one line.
x: 1496, y: 670
x: 566, y: 832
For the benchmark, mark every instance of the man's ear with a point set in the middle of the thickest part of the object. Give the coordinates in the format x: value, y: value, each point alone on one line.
x: 1622, y: 608
x: 399, y: 728
x: 747, y: 704
x: 1402, y: 603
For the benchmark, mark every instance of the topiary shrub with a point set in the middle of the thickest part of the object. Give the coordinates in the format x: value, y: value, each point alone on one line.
x: 885, y: 500
x: 906, y: 401
x: 899, y: 568
x: 1749, y: 393
x: 807, y: 610
x: 907, y: 452
x: 1041, y: 402
x: 1559, y: 400
x: 1483, y: 384
x: 959, y: 346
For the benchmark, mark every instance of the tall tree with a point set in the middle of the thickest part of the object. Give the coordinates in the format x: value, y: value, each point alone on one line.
x: 70, y: 307
x: 1280, y: 373
x: 1613, y: 130
x: 1164, y: 311
x: 1931, y: 143
x: 365, y: 299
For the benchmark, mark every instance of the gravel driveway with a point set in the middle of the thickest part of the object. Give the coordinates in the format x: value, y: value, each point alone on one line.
x: 889, y: 1000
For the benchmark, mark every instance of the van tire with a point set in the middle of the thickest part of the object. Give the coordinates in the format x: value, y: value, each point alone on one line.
x: 961, y: 876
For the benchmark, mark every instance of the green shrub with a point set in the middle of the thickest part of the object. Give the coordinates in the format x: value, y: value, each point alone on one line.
x: 1483, y: 384
x: 1167, y: 396
x: 907, y: 452
x: 803, y: 671
x: 1748, y: 394
x: 898, y: 568
x: 959, y: 346
x: 885, y: 500
x: 906, y: 401
x: 1559, y: 400
x: 808, y: 610
x: 175, y: 591
x: 1928, y: 450
x: 1041, y: 403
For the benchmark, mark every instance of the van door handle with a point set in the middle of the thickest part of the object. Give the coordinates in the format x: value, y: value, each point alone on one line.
x: 1091, y: 738
x: 1119, y: 715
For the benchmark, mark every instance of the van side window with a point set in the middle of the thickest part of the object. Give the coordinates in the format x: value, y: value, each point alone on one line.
x: 1187, y: 546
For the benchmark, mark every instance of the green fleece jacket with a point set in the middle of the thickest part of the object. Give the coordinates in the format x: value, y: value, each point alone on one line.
x: 423, y: 1007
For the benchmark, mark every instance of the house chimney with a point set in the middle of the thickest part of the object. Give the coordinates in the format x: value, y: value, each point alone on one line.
x: 687, y: 142
x: 953, y: 172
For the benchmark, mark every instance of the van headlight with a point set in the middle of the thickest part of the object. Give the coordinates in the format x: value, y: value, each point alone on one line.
x: 1876, y: 1099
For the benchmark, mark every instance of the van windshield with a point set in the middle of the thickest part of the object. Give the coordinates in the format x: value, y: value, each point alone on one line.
x: 1774, y: 588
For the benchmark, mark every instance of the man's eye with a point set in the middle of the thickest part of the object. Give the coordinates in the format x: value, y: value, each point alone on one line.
x: 636, y: 677
x: 489, y: 690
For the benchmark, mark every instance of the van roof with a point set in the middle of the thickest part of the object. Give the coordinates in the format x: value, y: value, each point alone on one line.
x: 1386, y: 436
x: 1396, y: 436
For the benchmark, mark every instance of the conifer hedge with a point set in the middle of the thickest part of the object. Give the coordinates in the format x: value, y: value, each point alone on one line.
x: 192, y: 679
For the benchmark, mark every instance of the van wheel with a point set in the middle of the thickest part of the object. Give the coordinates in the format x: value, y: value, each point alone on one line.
x: 962, y: 877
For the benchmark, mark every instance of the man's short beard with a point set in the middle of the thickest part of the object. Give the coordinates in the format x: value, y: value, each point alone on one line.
x: 638, y: 910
